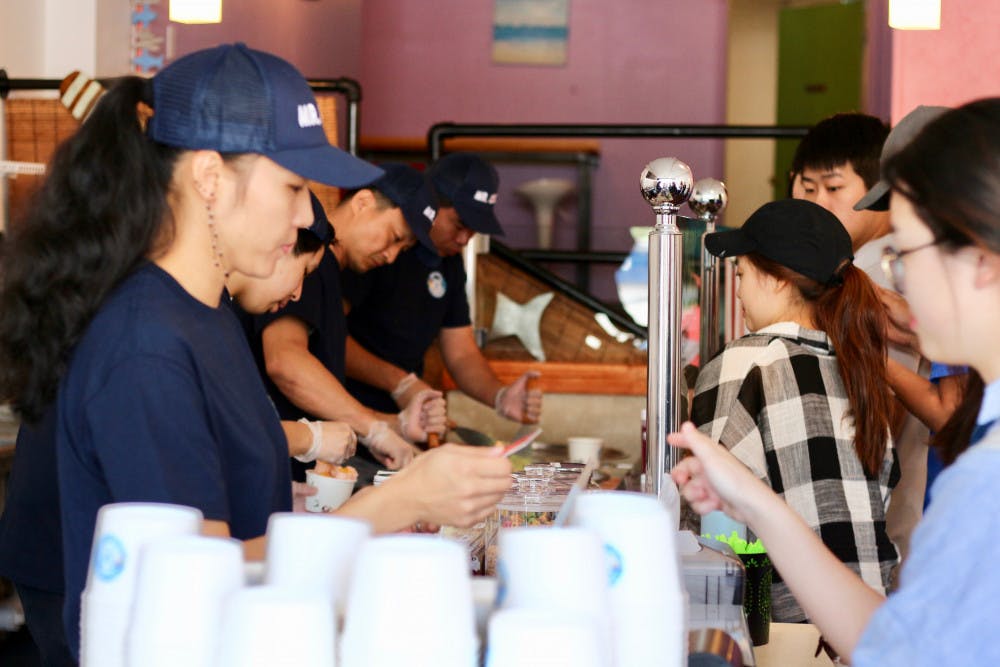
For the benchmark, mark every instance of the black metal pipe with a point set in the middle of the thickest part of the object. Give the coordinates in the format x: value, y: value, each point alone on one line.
x: 555, y: 282
x: 440, y: 131
x: 572, y: 256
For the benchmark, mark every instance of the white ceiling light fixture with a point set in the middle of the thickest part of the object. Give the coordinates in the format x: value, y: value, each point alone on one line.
x: 196, y: 11
x: 915, y: 14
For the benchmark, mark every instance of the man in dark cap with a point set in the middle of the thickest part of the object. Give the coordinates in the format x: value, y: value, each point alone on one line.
x: 397, y: 311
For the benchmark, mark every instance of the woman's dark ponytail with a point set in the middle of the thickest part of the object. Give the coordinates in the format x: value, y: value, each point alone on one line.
x: 93, y: 220
x: 853, y: 317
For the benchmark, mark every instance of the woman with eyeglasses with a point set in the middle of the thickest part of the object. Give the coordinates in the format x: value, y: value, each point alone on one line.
x: 801, y: 400
x: 944, y: 209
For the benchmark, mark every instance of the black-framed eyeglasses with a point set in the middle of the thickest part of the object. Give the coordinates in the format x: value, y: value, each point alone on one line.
x: 892, y: 262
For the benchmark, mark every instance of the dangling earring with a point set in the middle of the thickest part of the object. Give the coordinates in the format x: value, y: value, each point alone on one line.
x: 215, y: 238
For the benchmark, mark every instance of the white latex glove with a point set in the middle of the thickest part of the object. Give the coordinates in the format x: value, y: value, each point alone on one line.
x: 517, y: 402
x: 407, y: 388
x: 425, y: 413
x: 333, y: 442
x: 387, y: 447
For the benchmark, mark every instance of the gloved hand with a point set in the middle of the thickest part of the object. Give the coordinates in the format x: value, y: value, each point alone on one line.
x: 387, y: 447
x: 407, y: 388
x: 517, y: 402
x: 333, y: 442
x: 425, y: 413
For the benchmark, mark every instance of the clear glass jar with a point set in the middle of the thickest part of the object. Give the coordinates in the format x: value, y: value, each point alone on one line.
x: 534, y: 500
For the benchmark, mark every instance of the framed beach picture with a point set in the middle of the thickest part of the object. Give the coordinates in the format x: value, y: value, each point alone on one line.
x: 530, y: 32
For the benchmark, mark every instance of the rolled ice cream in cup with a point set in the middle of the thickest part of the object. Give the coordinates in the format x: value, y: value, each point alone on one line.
x: 334, y: 485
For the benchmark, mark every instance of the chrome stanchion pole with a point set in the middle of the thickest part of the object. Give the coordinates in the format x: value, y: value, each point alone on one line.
x: 666, y: 185
x: 708, y: 199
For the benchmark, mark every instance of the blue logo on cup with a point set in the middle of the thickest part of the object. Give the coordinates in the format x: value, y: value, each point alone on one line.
x: 501, y: 584
x: 109, y: 558
x: 614, y: 564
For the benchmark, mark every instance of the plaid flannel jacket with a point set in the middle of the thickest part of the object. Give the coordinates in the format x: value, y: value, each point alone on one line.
x: 776, y: 400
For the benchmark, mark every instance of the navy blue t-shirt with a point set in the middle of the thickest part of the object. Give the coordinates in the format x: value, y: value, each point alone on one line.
x: 162, y: 402
x: 320, y: 308
x: 397, y: 312
x: 30, y: 534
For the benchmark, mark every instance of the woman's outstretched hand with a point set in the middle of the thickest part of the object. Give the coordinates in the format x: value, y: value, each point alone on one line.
x: 712, y: 478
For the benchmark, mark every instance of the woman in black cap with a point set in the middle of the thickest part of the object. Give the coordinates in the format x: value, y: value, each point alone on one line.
x: 113, y: 343
x: 802, y: 400
x: 946, y: 260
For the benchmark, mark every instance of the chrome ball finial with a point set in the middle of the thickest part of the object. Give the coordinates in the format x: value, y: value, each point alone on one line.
x: 708, y: 198
x: 666, y: 184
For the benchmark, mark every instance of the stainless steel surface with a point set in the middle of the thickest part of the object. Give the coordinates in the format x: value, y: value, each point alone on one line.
x: 708, y: 199
x: 712, y: 646
x: 666, y: 184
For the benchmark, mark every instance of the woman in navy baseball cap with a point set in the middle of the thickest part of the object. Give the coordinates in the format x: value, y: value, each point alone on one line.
x: 113, y: 344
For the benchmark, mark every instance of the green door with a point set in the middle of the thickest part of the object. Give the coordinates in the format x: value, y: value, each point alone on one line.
x: 820, y: 58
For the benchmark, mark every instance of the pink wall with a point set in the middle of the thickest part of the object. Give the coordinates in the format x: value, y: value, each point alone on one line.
x: 322, y: 39
x: 629, y: 61
x: 950, y: 66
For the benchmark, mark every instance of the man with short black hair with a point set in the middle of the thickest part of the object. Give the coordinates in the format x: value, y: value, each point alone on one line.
x: 397, y: 311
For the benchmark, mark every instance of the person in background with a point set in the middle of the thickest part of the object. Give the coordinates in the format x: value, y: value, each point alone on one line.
x: 839, y: 161
x: 114, y: 343
x: 947, y: 400
x: 396, y: 312
x: 945, y: 258
x: 308, y: 441
x: 800, y: 400
x: 301, y: 348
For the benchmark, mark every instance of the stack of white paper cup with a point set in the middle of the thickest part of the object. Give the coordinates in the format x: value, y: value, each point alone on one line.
x: 410, y: 604
x: 275, y: 626
x: 647, y: 599
x: 520, y: 637
x: 556, y: 570
x: 122, y: 529
x: 182, y: 585
x: 314, y: 552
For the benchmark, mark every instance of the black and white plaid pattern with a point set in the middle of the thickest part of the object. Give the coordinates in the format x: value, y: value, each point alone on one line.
x: 776, y: 400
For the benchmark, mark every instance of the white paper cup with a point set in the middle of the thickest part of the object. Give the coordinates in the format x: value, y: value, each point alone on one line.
x: 583, y: 449
x: 555, y: 570
x: 274, y: 626
x: 181, y: 587
x: 331, y: 492
x: 314, y: 552
x: 519, y: 637
x: 121, y: 530
x: 410, y: 604
x: 646, y: 594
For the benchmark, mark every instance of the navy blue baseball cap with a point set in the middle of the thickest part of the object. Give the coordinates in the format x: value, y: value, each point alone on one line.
x: 234, y: 99
x: 408, y: 189
x: 321, y: 226
x: 798, y: 234
x: 470, y: 184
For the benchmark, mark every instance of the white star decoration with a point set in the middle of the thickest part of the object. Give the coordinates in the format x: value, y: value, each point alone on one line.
x: 521, y: 320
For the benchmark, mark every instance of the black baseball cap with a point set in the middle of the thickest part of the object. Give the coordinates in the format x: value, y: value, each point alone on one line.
x: 795, y: 233
x: 470, y: 184
x: 409, y: 190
